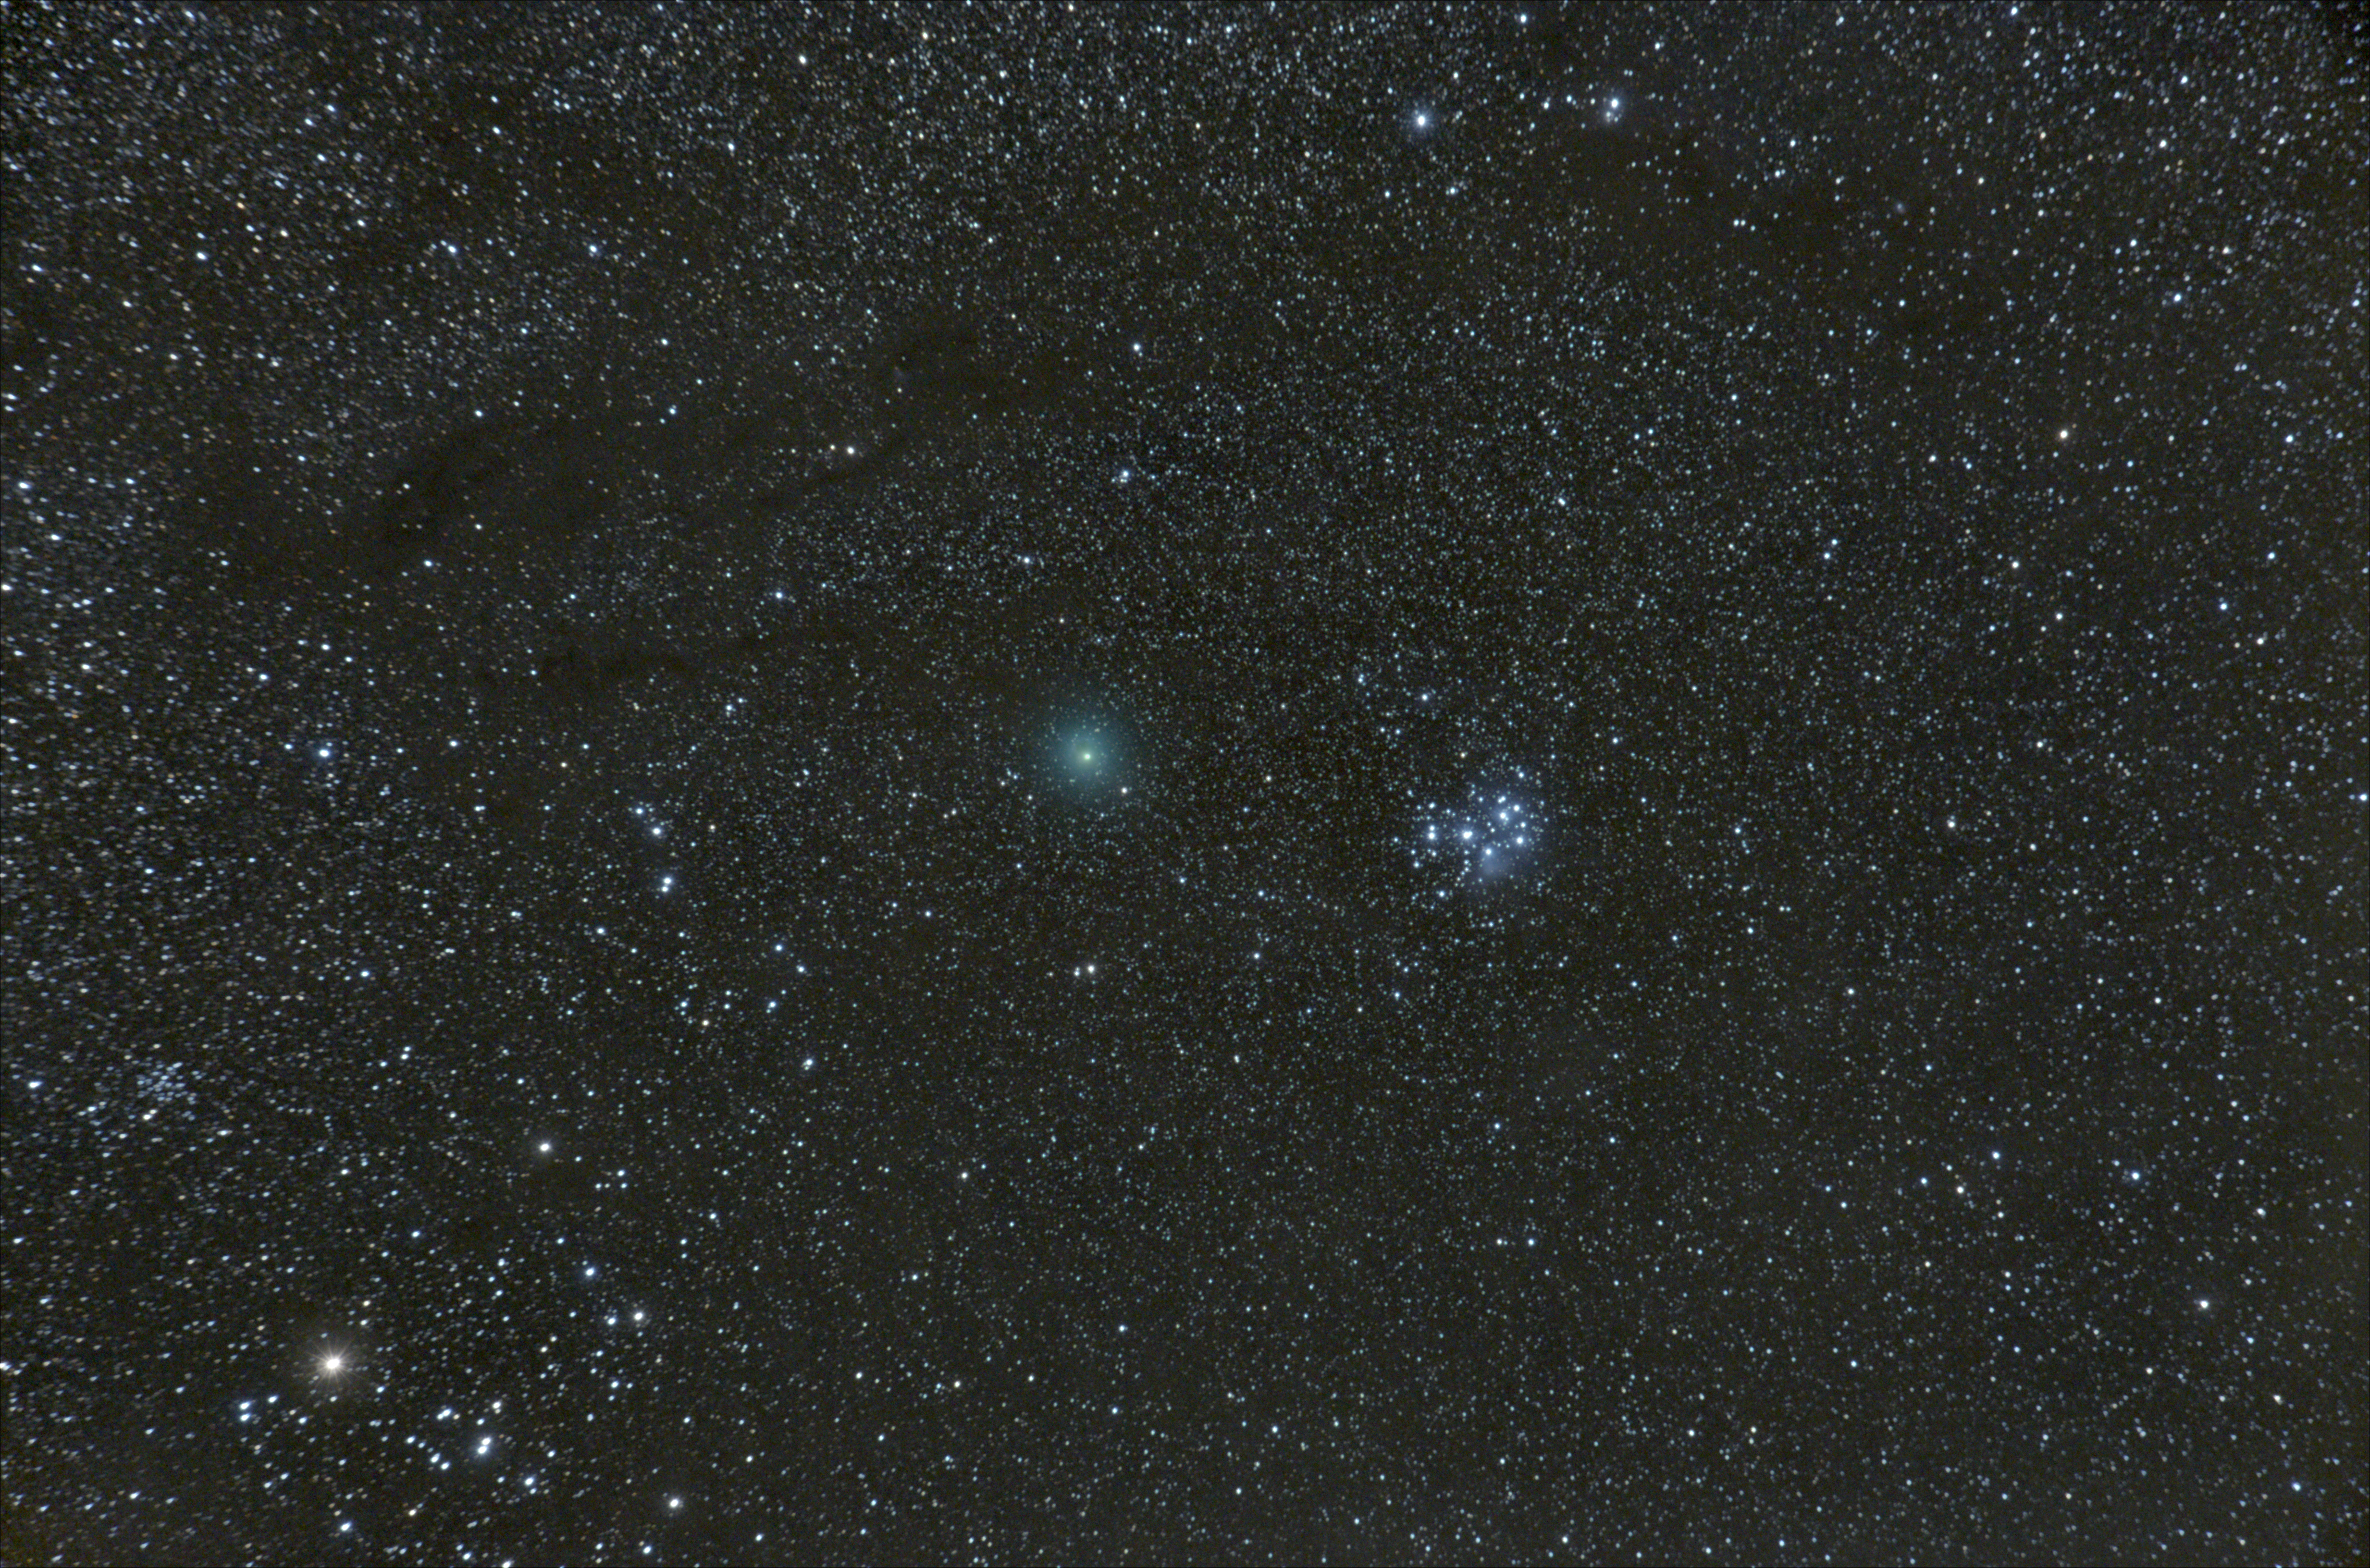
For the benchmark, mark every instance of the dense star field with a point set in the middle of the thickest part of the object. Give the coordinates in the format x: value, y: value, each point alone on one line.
x: 1370, y: 783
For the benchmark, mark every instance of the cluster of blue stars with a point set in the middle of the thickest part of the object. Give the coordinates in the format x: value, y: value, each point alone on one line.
x: 1491, y: 835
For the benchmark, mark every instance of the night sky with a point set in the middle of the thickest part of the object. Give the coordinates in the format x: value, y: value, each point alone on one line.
x: 1370, y: 783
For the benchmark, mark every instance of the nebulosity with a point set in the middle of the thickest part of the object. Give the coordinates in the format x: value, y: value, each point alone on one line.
x: 1486, y: 835
x: 1089, y: 761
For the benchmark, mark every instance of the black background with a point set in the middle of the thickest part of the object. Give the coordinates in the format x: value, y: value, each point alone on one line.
x: 570, y: 994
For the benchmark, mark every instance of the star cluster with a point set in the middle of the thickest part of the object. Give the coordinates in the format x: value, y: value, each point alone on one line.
x: 1488, y: 835
x: 1184, y: 783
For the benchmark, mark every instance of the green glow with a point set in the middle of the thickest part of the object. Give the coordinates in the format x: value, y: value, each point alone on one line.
x: 1090, y: 758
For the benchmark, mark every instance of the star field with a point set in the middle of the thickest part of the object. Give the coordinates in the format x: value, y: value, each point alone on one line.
x: 1212, y: 784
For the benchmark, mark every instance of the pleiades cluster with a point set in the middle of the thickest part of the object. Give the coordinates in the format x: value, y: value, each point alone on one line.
x: 1292, y: 784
